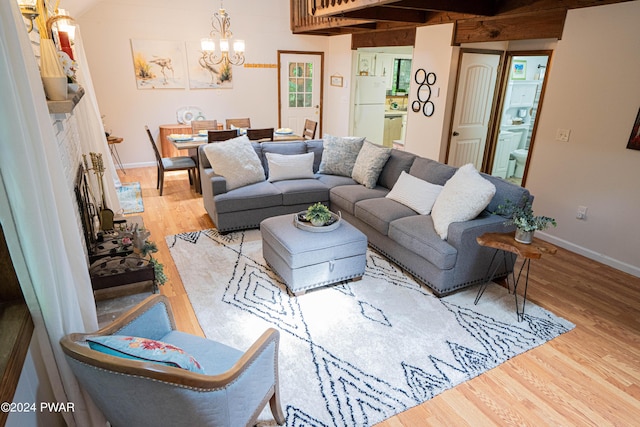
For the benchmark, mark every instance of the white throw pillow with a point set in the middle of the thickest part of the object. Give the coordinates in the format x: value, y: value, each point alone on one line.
x: 236, y: 160
x: 369, y: 163
x: 289, y: 166
x: 415, y: 193
x: 463, y: 197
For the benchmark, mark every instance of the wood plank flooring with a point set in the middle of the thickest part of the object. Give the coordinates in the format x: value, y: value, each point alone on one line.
x: 587, y: 377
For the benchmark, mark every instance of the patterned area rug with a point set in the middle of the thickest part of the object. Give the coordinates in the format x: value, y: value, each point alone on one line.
x: 130, y: 196
x: 355, y: 353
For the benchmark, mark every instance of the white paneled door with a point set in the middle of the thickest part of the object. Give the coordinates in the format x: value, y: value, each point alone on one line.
x: 300, y: 75
x: 476, y: 87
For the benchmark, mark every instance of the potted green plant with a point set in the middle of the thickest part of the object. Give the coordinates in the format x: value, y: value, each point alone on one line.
x: 318, y: 214
x: 522, y: 217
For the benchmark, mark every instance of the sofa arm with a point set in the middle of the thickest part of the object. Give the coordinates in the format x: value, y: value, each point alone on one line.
x: 212, y: 183
x: 460, y: 233
x: 473, y: 259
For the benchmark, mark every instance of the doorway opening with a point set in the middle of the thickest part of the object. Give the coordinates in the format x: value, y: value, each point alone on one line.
x: 520, y: 104
x: 381, y: 77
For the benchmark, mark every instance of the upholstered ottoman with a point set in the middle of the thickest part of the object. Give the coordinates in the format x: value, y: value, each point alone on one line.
x: 306, y: 260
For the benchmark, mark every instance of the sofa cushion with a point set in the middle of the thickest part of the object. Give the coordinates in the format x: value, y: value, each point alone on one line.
x: 398, y: 162
x: 463, y: 197
x: 236, y: 160
x: 315, y: 146
x: 369, y: 164
x: 431, y: 171
x: 335, y: 180
x: 297, y: 191
x: 289, y: 166
x: 253, y: 196
x: 415, y: 193
x: 380, y: 212
x: 294, y: 147
x: 340, y: 154
x: 345, y: 197
x: 504, y: 191
x: 417, y: 234
x: 145, y: 350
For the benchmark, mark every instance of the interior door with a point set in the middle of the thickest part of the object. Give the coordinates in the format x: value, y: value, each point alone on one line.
x: 300, y: 89
x: 472, y: 113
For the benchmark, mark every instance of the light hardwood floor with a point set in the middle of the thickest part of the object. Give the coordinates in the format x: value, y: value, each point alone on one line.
x: 589, y: 376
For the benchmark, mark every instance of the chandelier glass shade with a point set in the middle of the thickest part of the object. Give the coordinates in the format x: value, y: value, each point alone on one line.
x: 221, y: 23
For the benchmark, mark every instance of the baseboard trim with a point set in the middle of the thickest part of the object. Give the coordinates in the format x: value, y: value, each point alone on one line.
x: 138, y: 165
x: 611, y: 262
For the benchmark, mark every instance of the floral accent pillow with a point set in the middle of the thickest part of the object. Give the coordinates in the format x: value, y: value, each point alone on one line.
x: 340, y: 154
x: 369, y: 164
x: 144, y: 349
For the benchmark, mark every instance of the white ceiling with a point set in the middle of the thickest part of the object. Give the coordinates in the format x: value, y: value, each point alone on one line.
x: 76, y: 8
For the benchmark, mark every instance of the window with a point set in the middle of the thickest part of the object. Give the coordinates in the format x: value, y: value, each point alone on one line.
x: 300, y: 84
x: 401, y: 75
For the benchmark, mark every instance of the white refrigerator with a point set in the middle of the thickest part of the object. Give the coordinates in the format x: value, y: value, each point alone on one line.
x: 369, y: 106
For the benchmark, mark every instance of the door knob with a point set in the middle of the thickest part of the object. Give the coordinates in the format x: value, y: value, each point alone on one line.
x: 455, y: 133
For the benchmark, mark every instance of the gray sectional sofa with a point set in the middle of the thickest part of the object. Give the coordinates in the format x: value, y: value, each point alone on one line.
x: 395, y: 230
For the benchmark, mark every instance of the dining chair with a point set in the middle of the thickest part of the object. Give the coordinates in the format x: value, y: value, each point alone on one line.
x: 309, y: 131
x: 264, y: 134
x: 141, y: 371
x: 222, y: 135
x: 170, y: 164
x: 238, y: 123
x: 198, y: 125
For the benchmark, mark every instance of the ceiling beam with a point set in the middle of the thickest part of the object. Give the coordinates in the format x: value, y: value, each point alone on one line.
x: 541, y: 25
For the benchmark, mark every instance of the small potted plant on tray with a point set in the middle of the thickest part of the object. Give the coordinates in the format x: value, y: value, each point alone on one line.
x: 523, y: 218
x: 318, y: 214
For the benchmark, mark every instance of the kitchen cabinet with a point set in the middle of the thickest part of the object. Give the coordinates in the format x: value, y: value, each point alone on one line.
x: 522, y: 94
x: 366, y: 64
x: 384, y: 68
x: 392, y: 129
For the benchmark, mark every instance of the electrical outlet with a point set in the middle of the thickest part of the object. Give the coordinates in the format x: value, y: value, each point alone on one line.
x: 563, y: 135
x: 582, y: 213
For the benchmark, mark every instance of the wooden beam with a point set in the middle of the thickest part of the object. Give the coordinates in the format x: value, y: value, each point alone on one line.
x: 388, y: 14
x: 399, y: 37
x: 527, y: 26
x: 474, y: 7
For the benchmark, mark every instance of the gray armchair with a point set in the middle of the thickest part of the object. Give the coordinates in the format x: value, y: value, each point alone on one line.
x: 233, y: 391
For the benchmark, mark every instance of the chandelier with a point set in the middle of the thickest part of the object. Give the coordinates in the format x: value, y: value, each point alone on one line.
x: 221, y: 23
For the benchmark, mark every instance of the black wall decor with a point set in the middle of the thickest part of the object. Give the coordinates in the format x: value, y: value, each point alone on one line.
x: 425, y: 81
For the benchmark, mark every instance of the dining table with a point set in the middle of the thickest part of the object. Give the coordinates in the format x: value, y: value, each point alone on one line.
x: 191, y: 143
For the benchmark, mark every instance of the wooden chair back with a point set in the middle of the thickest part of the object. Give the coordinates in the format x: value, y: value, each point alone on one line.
x: 198, y: 125
x: 222, y: 135
x: 263, y: 134
x: 309, y: 131
x: 239, y: 123
x: 155, y: 148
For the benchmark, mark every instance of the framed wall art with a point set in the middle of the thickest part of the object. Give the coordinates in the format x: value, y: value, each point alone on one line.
x: 158, y: 64
x: 634, y: 138
x: 519, y: 70
x: 337, y: 80
x: 203, y: 75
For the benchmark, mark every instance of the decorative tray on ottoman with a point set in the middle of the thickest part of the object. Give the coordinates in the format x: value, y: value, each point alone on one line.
x: 302, y: 223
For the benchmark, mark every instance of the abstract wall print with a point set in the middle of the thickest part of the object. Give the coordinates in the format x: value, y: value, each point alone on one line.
x: 634, y: 139
x: 204, y: 76
x: 158, y: 64
x: 519, y: 70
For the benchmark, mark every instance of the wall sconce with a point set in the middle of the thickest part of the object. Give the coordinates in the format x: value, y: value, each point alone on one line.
x: 29, y: 11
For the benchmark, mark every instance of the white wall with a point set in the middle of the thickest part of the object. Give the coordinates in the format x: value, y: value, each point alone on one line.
x: 108, y: 27
x: 337, y: 99
x: 593, y: 90
x: 426, y: 136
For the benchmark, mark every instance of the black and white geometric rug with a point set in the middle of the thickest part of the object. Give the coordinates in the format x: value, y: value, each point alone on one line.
x: 356, y: 353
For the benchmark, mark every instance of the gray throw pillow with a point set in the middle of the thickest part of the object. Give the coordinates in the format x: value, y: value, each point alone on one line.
x: 369, y: 164
x: 340, y: 154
